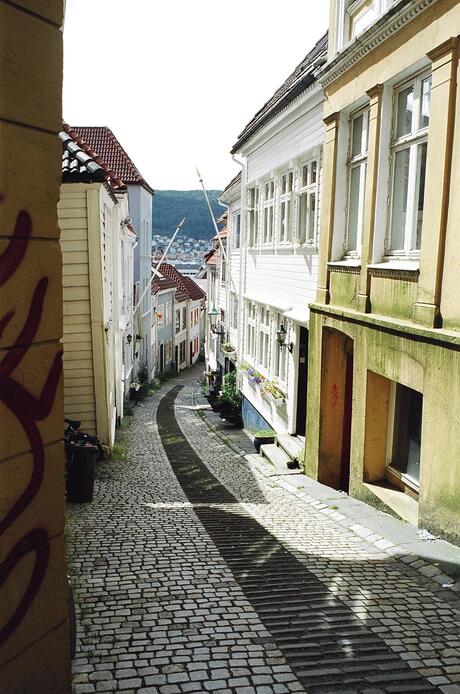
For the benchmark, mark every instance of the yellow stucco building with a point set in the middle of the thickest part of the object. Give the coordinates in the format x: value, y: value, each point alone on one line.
x: 34, y: 633
x: 383, y: 416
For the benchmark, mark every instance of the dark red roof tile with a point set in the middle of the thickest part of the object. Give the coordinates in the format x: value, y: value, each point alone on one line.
x: 102, y: 140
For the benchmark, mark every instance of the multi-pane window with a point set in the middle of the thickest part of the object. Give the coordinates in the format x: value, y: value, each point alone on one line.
x: 308, y: 207
x: 280, y: 354
x: 233, y: 311
x: 184, y: 318
x: 356, y: 166
x: 269, y: 212
x: 253, y: 216
x: 178, y: 320
x: 236, y: 230
x: 251, y: 331
x: 285, y: 219
x: 264, y: 338
x: 409, y: 149
x: 358, y: 15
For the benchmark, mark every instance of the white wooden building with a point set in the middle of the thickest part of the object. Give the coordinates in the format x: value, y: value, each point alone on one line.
x: 272, y: 249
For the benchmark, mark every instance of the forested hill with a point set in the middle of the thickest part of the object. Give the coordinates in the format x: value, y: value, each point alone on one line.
x: 170, y: 206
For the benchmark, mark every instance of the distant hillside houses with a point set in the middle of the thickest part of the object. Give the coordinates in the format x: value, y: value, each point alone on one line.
x: 170, y: 206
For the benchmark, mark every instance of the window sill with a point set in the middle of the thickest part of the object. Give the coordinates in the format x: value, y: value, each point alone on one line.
x: 396, y: 265
x: 348, y: 262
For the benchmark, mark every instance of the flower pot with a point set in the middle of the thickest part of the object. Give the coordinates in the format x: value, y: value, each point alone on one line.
x: 261, y: 440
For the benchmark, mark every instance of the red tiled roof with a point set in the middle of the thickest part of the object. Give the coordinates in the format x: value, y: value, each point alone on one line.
x: 102, y: 140
x: 185, y: 284
x: 161, y: 283
x: 112, y: 178
x: 221, y: 235
x: 212, y: 260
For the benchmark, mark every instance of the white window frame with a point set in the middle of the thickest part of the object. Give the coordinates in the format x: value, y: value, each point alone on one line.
x: 268, y: 217
x: 286, y: 207
x: 251, y: 331
x: 346, y: 11
x: 354, y: 162
x: 253, y: 216
x: 411, y: 142
x: 308, y: 189
x: 236, y: 226
x: 263, y: 351
x: 280, y: 356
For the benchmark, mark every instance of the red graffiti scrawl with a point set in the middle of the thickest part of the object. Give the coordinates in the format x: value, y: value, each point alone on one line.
x: 28, y: 410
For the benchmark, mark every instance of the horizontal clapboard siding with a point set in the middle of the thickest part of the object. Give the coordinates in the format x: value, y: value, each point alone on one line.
x: 79, y: 395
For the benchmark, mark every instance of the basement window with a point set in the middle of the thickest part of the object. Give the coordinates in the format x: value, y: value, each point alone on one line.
x: 405, y: 435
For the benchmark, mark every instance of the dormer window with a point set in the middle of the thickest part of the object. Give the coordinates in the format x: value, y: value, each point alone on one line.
x: 355, y: 16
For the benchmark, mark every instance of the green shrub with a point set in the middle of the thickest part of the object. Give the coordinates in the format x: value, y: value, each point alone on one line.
x: 265, y: 433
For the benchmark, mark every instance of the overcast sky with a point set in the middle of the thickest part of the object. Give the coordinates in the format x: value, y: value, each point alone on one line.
x: 177, y: 80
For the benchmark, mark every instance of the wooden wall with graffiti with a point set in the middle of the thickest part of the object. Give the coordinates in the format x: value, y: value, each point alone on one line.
x: 34, y: 648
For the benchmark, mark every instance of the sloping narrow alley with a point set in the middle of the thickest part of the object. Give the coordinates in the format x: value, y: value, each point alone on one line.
x: 195, y: 572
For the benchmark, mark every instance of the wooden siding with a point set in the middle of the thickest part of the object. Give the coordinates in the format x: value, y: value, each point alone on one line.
x: 79, y: 390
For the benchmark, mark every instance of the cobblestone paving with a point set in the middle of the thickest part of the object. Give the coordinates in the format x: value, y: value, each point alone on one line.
x: 210, y: 578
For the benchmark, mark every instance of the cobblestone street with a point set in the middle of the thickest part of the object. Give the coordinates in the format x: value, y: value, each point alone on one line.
x: 194, y: 571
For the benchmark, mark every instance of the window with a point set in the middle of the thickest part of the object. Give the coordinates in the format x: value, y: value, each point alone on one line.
x: 356, y: 174
x: 269, y: 212
x: 308, y: 208
x: 251, y: 331
x: 285, y: 220
x: 236, y: 230
x: 280, y: 354
x: 184, y: 318
x: 357, y: 15
x: 253, y: 216
x: 406, y: 432
x: 409, y: 148
x: 178, y: 320
x: 233, y: 311
x: 264, y: 338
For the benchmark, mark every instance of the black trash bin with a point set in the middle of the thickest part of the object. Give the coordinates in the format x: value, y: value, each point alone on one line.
x: 80, y: 472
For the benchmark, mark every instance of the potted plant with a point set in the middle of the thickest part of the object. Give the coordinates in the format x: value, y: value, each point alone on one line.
x: 230, y: 399
x: 273, y: 392
x: 262, y: 437
x: 228, y: 349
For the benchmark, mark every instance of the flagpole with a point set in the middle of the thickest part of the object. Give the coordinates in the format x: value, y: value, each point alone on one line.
x: 222, y: 249
x: 155, y: 272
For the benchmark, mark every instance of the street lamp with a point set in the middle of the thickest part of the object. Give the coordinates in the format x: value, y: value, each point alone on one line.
x: 214, y: 314
x: 281, y: 336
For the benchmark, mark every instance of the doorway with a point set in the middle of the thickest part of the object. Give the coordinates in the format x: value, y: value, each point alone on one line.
x: 301, y: 414
x: 336, y: 410
x: 162, y: 357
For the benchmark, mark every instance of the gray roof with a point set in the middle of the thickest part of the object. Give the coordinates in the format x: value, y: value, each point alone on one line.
x: 296, y: 83
x: 77, y: 165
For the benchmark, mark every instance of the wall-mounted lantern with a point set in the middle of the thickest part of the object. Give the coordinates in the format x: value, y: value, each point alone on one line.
x: 214, y: 314
x: 281, y: 336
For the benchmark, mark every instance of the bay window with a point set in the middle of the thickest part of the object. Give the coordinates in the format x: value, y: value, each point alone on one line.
x: 408, y: 153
